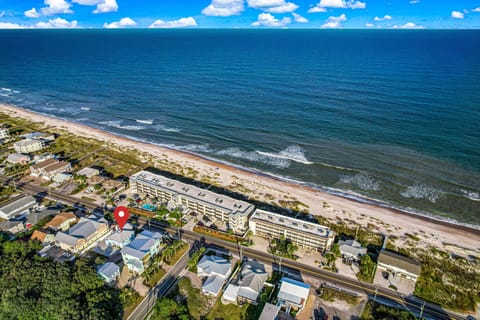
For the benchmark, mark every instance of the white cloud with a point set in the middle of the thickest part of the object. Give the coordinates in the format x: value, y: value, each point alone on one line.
x: 334, y: 22
x: 56, y: 7
x: 344, y: 4
x: 414, y: 1
x: 369, y: 25
x: 385, y: 17
x: 267, y: 20
x: 273, y: 6
x: 298, y: 18
x: 107, y: 6
x: 124, y: 22
x: 57, y: 23
x: 32, y: 13
x: 408, y: 25
x: 8, y: 25
x: 103, y: 6
x: 180, y: 23
x: 458, y: 15
x: 316, y: 9
x: 224, y: 8
x: 476, y: 9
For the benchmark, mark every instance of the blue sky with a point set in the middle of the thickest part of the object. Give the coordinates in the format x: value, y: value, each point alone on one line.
x: 398, y: 14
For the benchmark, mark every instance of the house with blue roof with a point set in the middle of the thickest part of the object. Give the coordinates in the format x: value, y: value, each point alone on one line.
x: 138, y: 253
x: 292, y: 294
x: 108, y: 272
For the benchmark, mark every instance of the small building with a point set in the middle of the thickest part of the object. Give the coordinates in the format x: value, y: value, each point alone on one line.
x: 18, y: 158
x: 88, y: 172
x: 83, y: 234
x: 293, y: 294
x: 49, y: 168
x: 351, y: 249
x: 12, y: 226
x: 217, y: 270
x: 62, y: 177
x: 4, y: 133
x: 121, y: 238
x: 269, y: 312
x: 108, y: 272
x: 62, y: 221
x: 42, y: 237
x: 113, y: 185
x: 28, y: 145
x: 248, y: 284
x: 43, y: 136
x: 17, y: 207
x: 36, y: 216
x: 398, y: 265
x: 138, y: 253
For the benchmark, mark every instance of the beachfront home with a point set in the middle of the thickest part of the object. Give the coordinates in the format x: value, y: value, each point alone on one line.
x: 217, y: 270
x: 234, y: 213
x: 4, y: 133
x: 138, y: 253
x: 18, y: 158
x: 43, y: 136
x: 17, y: 207
x: 83, y: 234
x: 12, y: 226
x: 109, y: 272
x: 28, y: 145
x: 62, y: 221
x: 302, y: 233
x: 396, y: 264
x: 88, y: 172
x: 351, y: 250
x: 293, y: 294
x: 49, y: 168
x: 121, y: 238
x: 248, y: 284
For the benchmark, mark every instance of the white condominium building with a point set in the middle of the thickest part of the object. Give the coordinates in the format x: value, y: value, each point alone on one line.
x: 302, y: 233
x: 28, y: 145
x: 234, y: 213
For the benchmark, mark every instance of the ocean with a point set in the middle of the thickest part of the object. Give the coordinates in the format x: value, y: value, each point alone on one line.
x: 391, y: 116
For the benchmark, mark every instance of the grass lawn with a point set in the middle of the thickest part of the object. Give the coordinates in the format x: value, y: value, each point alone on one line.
x: 156, y: 277
x: 128, y: 310
x: 197, y: 303
x: 234, y: 312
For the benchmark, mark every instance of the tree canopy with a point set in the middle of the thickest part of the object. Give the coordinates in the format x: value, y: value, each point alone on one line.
x: 32, y: 287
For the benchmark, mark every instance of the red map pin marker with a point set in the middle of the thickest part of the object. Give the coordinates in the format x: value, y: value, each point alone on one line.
x: 121, y: 215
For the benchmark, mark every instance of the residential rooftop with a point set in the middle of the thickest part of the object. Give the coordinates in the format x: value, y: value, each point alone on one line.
x: 209, y: 198
x: 394, y: 259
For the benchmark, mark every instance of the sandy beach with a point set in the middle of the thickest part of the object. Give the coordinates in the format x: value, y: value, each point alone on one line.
x: 448, y: 236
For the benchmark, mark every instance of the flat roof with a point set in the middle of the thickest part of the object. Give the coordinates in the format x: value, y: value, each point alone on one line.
x: 26, y: 142
x: 292, y: 223
x: 17, y: 205
x: 396, y: 260
x: 197, y: 194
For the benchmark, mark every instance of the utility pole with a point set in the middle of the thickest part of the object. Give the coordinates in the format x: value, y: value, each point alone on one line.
x: 421, y: 310
x: 280, y: 265
x: 375, y: 296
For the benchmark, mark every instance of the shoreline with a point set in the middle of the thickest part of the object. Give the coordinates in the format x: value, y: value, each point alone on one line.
x: 345, y: 206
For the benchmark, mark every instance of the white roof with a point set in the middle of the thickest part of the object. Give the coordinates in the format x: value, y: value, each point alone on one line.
x: 86, y: 227
x: 197, y: 194
x: 253, y: 277
x: 269, y: 312
x: 351, y: 247
x: 63, y: 237
x: 121, y: 237
x: 214, y: 265
x: 88, y: 172
x: 292, y: 223
x: 18, y: 206
x: 293, y: 291
x: 213, y: 284
x: 231, y: 292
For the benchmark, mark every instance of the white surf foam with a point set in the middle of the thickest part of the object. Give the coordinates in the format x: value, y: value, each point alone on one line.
x: 85, y: 108
x: 255, y: 156
x: 293, y: 153
x: 144, y: 121
x: 196, y: 148
x: 422, y: 191
x: 117, y: 124
x: 475, y: 196
x: 7, y: 89
x: 362, y: 180
x: 161, y: 127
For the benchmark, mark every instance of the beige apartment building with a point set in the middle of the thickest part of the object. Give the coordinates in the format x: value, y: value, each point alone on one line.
x: 28, y: 145
x: 234, y: 213
x: 303, y: 234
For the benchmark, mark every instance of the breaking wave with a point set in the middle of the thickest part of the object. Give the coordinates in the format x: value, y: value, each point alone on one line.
x: 362, y: 180
x: 255, y: 156
x: 293, y: 153
x: 475, y: 196
x: 422, y: 191
x: 117, y: 124
x: 161, y: 127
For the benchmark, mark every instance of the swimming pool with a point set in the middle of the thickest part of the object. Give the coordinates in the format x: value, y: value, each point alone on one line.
x: 149, y: 207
